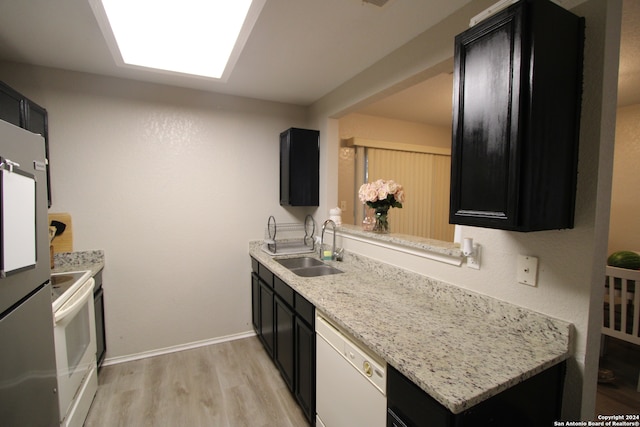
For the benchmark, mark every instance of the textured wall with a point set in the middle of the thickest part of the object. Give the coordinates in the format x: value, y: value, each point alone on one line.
x: 172, y: 184
x: 571, y: 262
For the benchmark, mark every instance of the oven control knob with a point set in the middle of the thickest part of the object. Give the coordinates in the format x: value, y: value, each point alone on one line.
x: 366, y: 366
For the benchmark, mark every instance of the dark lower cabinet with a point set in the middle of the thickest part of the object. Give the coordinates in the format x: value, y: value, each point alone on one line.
x: 534, y: 402
x: 266, y: 317
x: 305, y: 380
x: 255, y: 302
x: 284, y: 322
x: 285, y: 340
x: 98, y: 301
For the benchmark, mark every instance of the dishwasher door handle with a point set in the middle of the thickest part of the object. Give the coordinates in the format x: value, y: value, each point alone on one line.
x: 366, y: 368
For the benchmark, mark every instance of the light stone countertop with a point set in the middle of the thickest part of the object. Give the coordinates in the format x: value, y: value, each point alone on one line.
x: 78, y: 261
x: 458, y: 346
x: 405, y: 240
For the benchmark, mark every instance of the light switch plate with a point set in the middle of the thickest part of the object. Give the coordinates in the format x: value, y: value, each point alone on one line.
x: 527, y: 270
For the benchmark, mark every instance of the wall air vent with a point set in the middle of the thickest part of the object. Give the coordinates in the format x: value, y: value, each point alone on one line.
x: 379, y: 3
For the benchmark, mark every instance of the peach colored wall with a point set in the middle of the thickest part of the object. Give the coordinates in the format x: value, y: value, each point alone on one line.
x: 384, y: 129
x: 624, y: 229
x: 381, y: 129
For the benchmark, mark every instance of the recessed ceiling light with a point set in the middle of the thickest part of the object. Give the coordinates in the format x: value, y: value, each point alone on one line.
x: 197, y: 37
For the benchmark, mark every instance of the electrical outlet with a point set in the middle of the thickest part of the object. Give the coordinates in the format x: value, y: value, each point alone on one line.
x: 343, y: 205
x: 473, y: 261
x: 527, y: 270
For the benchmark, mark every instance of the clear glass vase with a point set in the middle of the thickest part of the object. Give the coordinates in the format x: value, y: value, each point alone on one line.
x: 381, y: 225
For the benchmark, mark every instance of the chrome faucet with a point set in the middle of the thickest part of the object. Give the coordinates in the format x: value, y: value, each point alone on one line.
x: 336, y: 255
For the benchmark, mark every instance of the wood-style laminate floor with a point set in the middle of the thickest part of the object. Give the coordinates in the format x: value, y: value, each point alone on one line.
x: 235, y: 384
x: 228, y: 384
x: 619, y: 397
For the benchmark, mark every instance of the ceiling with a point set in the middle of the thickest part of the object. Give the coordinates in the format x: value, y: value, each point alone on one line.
x: 436, y: 98
x: 298, y: 51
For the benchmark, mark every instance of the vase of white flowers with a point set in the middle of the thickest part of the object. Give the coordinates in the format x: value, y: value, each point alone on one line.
x: 381, y: 195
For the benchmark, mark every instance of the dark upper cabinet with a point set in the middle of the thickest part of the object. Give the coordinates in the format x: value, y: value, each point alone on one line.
x: 36, y: 121
x: 300, y: 167
x: 10, y: 105
x: 21, y: 111
x: 516, y: 108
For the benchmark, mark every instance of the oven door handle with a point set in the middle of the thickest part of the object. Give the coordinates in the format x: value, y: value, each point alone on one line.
x: 75, y: 303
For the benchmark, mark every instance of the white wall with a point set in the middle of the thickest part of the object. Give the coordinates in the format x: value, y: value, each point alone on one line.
x: 571, y: 262
x: 172, y: 184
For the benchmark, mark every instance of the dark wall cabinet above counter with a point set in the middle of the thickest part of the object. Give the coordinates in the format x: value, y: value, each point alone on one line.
x: 19, y: 110
x: 516, y: 109
x: 300, y: 167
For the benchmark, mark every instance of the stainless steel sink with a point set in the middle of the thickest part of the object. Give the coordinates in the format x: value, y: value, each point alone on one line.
x: 318, y: 270
x: 301, y: 262
x: 308, y: 267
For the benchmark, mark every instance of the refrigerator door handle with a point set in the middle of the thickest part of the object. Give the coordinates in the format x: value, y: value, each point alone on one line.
x: 8, y: 165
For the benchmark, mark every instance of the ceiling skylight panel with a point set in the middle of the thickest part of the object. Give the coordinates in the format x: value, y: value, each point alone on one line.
x: 199, y: 37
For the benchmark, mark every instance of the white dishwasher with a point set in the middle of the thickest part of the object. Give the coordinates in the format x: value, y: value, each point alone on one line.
x: 350, y: 382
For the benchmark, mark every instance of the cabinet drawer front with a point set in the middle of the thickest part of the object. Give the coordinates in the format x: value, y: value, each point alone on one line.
x: 254, y: 265
x: 411, y: 405
x: 265, y: 274
x: 283, y: 290
x: 304, y: 309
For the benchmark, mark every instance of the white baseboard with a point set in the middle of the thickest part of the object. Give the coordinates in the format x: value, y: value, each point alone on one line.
x: 188, y: 346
